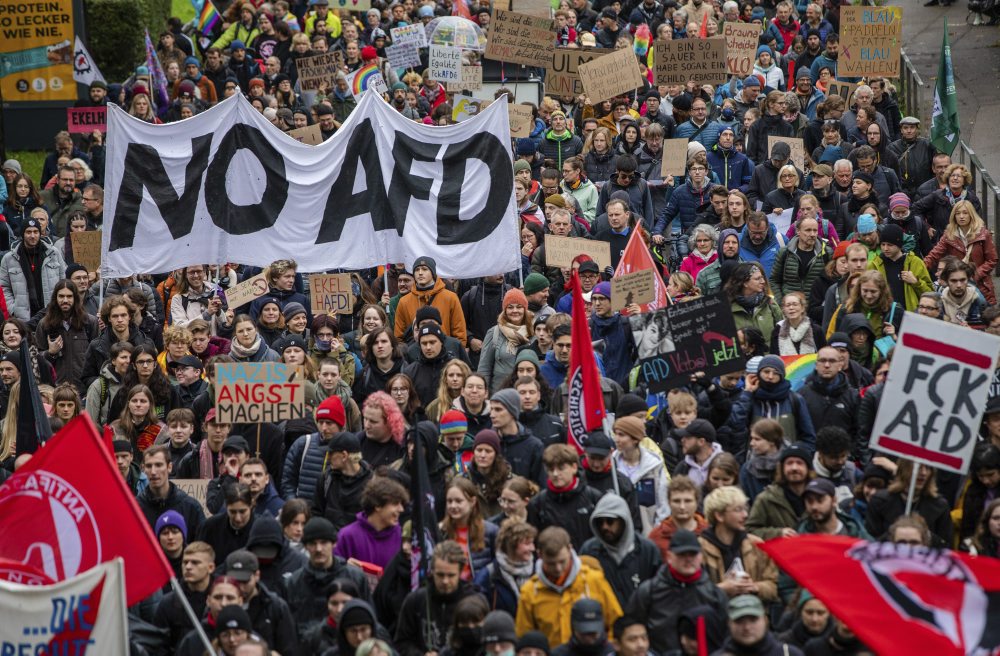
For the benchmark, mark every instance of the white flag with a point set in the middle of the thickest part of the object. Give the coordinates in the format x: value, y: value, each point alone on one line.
x: 85, y: 70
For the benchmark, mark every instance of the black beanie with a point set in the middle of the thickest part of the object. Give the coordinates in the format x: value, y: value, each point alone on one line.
x: 427, y: 262
x: 73, y: 268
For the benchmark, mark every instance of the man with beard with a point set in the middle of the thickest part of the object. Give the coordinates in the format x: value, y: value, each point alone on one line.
x: 939, y: 167
x: 65, y: 332
x: 748, y: 631
x: 536, y: 290
x: 829, y: 57
x: 589, y: 636
x: 776, y: 510
x: 915, y: 155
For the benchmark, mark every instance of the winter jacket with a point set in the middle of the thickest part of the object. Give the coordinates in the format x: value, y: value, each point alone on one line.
x: 981, y: 253
x: 219, y: 532
x: 560, y: 147
x: 685, y: 202
x: 886, y: 507
x: 832, y: 403
x: 237, y: 32
x: 426, y: 375
x: 599, y: 167
x: 756, y: 563
x: 935, y: 208
x: 781, y: 404
x: 481, y: 305
x: 426, y: 617
x: 99, y: 351
x: 497, y: 359
x: 659, y: 602
x: 184, y: 308
x: 815, y: 331
x: 786, y: 274
x: 266, y: 532
x: 338, y: 497
x: 553, y: 371
x: 69, y: 362
x: 15, y: 284
x: 823, y: 61
x: 498, y: 589
x: 649, y: 479
x: 640, y: 199
x: 304, y: 466
x: 571, y: 510
x: 392, y: 589
x: 445, y: 300
x: 767, y: 126
x: 771, y: 512
x: 765, y: 317
x: 640, y: 560
x: 911, y: 293
x: 307, y: 591
x: 769, y: 646
x: 779, y: 198
x: 543, y: 608
x: 707, y: 135
x: 733, y: 167
x: 765, y: 180
x: 619, y: 347
x: 546, y: 427
x: 915, y: 159
x: 524, y: 453
x: 663, y: 533
x: 586, y: 194
x: 766, y: 253
x: 177, y: 499
x: 709, y: 279
x: 264, y: 353
x: 272, y: 620
x: 361, y: 541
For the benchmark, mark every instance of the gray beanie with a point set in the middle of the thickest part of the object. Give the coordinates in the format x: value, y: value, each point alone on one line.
x: 510, y: 400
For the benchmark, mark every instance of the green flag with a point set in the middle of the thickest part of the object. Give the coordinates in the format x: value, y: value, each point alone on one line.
x: 945, y: 127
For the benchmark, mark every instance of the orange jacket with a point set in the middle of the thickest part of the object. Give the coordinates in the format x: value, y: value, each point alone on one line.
x: 445, y: 300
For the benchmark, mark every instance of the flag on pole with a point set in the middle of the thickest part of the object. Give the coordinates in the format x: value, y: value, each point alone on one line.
x: 208, y: 16
x: 33, y: 427
x: 636, y: 257
x: 159, y: 79
x: 946, y: 129
x: 423, y: 519
x: 85, y: 70
x: 585, y: 405
x: 73, y: 511
x: 899, y: 598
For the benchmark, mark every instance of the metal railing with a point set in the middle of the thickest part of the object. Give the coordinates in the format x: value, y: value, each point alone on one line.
x: 911, y: 88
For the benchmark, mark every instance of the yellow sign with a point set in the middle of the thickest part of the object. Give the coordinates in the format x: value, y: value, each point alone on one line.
x: 36, y: 50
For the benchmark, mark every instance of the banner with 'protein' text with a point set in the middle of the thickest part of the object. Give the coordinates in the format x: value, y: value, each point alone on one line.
x: 227, y: 186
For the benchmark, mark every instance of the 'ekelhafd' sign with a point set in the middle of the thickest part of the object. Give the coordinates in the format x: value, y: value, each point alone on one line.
x: 227, y: 186
x: 699, y: 335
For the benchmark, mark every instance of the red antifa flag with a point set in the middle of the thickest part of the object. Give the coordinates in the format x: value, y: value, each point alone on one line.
x: 69, y: 509
x: 585, y: 405
x: 899, y: 598
x: 636, y: 257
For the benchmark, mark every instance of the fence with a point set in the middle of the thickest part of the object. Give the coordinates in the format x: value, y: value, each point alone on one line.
x: 911, y: 94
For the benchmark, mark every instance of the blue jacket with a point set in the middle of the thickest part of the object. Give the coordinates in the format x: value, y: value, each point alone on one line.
x: 819, y: 63
x: 619, y: 349
x: 499, y: 594
x: 733, y: 167
x: 708, y: 137
x: 766, y: 253
x: 815, y: 99
x: 553, y: 370
x: 684, y: 202
x: 772, y: 32
x: 825, y: 27
x: 302, y: 472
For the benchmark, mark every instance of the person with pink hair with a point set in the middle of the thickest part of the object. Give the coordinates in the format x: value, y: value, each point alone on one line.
x: 382, y: 442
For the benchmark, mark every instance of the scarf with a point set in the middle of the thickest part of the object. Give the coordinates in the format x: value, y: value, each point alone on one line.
x: 763, y: 466
x: 952, y: 198
x: 514, y: 574
x: 954, y: 310
x: 242, y: 353
x: 567, y: 580
x: 562, y: 490
x: 516, y: 336
x: 206, y: 459
x: 693, y: 578
x: 147, y: 436
x: 750, y: 303
x: 796, y: 341
x: 706, y: 258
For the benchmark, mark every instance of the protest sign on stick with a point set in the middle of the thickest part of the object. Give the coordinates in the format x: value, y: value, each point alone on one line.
x: 251, y: 288
x: 700, y: 60
x: 560, y: 251
x: 520, y: 39
x: 84, y: 120
x: 259, y: 392
x: 870, y: 41
x: 403, y: 55
x: 741, y: 47
x: 331, y: 293
x: 610, y: 75
x: 87, y: 249
x: 521, y: 119
x: 318, y: 70
x: 843, y: 89
x: 562, y: 77
x: 445, y: 63
x: 472, y: 80
x: 674, y: 157
x: 413, y: 34
x: 311, y: 135
x: 796, y: 145
x: 638, y: 287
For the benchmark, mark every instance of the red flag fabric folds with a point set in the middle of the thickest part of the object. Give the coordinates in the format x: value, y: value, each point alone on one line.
x: 585, y: 405
x: 69, y: 509
x: 899, y: 598
x: 636, y: 257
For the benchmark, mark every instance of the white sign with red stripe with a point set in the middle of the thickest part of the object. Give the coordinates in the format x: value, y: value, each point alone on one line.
x: 936, y: 393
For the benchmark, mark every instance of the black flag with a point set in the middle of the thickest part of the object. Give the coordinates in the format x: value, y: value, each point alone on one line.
x: 33, y: 427
x: 423, y: 518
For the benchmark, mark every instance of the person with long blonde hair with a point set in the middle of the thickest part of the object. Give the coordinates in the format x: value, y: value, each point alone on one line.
x: 450, y: 388
x: 967, y: 238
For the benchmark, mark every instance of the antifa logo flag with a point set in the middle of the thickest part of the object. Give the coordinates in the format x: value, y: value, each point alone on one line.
x: 585, y: 405
x: 899, y: 598
x: 33, y: 427
x: 423, y: 518
x: 73, y: 511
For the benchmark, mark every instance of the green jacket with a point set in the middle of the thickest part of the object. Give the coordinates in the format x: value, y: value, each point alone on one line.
x: 586, y: 194
x: 912, y: 293
x: 786, y: 275
x: 771, y: 512
x: 765, y: 317
x: 709, y: 280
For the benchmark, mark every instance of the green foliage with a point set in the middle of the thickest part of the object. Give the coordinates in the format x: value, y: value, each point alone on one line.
x: 31, y: 161
x: 115, y: 29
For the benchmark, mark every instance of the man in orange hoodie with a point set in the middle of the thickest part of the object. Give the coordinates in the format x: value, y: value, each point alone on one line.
x: 428, y: 289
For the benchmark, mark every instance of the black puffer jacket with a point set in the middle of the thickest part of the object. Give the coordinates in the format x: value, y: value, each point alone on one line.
x: 266, y: 534
x: 272, y: 621
x: 570, y: 510
x: 660, y: 601
x: 425, y: 608
x: 524, y: 453
x: 832, y: 403
x: 547, y: 428
x: 338, y: 497
x: 307, y: 591
x: 426, y: 375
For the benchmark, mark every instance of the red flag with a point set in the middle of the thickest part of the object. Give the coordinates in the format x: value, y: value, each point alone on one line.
x: 461, y: 8
x: 898, y: 598
x: 636, y: 257
x: 703, y: 31
x: 585, y: 405
x: 69, y: 509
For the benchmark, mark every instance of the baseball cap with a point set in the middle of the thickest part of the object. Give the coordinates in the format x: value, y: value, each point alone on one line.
x: 241, y: 565
x: 745, y: 606
x: 597, y: 443
x: 188, y: 361
x: 821, y: 487
x: 587, y: 616
x: 699, y: 428
x: 589, y: 266
x: 684, y: 541
x: 344, y: 441
x: 235, y: 443
x: 839, y: 340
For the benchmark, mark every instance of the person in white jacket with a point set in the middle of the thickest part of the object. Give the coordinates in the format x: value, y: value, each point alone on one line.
x: 197, y: 298
x: 644, y: 468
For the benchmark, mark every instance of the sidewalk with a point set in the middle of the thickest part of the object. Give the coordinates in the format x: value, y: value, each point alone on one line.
x: 975, y: 53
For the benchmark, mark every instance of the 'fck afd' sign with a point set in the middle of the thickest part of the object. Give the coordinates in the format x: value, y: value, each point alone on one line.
x: 936, y: 392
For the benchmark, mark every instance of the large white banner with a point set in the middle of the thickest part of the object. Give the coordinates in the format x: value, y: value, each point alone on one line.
x: 84, y: 614
x: 227, y: 186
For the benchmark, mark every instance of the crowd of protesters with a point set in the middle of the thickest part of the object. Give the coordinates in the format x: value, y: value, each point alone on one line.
x: 646, y: 544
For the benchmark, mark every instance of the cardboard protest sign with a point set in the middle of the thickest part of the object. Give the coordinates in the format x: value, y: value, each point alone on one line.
x: 413, y: 34
x: 674, y: 157
x: 562, y: 77
x: 560, y: 251
x: 259, y: 392
x: 196, y: 488
x: 465, y: 108
x: 84, y: 120
x: 638, y: 287
x: 936, y: 393
x: 699, y: 335
x: 520, y: 39
x: 798, y: 149
x: 700, y: 60
x: 870, y: 41
x: 521, y: 120
x: 87, y: 249
x: 318, y: 70
x: 403, y: 55
x: 445, y: 63
x: 310, y: 135
x: 246, y: 291
x: 330, y: 293
x: 610, y: 75
x: 540, y: 8
x: 741, y: 47
x: 472, y: 80
x: 843, y: 89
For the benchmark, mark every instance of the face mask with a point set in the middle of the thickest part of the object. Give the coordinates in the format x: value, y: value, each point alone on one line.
x: 728, y: 113
x: 323, y: 345
x: 469, y: 636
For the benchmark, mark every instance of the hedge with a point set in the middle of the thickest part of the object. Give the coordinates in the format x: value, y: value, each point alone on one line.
x: 115, y: 33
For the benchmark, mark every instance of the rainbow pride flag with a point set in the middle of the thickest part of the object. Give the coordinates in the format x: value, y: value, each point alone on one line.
x: 365, y: 77
x: 208, y: 17
x: 798, y: 368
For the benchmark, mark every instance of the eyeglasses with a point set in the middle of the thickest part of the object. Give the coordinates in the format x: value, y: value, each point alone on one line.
x: 399, y: 390
x: 145, y: 363
x: 928, y: 308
